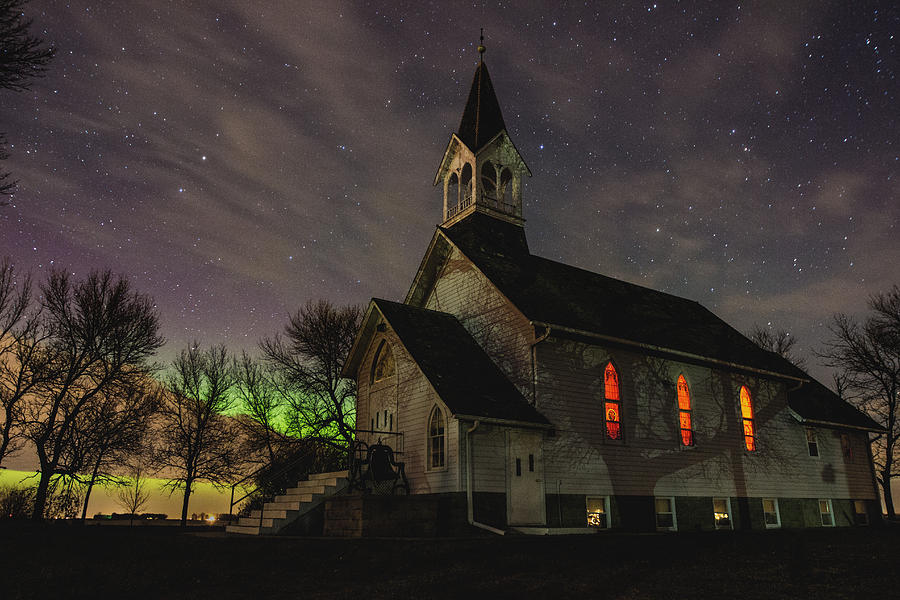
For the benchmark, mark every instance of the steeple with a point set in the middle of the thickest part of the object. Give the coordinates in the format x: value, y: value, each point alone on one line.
x: 482, y: 146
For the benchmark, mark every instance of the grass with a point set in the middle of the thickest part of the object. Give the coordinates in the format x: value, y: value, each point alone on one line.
x: 68, y: 561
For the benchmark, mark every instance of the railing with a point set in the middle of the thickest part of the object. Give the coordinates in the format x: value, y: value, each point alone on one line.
x: 359, y: 451
x: 463, y: 204
x: 313, y: 445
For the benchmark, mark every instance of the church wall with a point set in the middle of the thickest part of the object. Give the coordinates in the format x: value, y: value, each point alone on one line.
x: 488, y: 457
x: 650, y: 461
x: 410, y: 398
x: 498, y: 327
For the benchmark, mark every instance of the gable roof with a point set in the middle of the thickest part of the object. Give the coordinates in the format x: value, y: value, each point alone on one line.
x: 578, y: 301
x: 458, y: 369
x: 481, y: 120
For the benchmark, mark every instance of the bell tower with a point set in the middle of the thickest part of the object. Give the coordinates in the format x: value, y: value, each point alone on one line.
x: 481, y: 170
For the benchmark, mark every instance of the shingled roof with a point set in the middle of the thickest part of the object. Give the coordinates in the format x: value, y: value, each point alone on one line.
x: 461, y: 373
x: 481, y: 119
x: 553, y: 293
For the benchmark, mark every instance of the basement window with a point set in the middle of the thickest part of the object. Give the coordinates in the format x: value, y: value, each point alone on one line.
x: 665, y: 514
x: 771, y: 514
x: 598, y: 512
x: 826, y: 513
x: 860, y: 514
x: 722, y: 513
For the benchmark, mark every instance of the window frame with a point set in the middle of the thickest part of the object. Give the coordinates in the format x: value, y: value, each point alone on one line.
x: 745, y: 420
x: 429, y: 441
x: 382, y: 354
x: 777, y: 523
x: 656, y: 514
x: 812, y: 444
x: 830, y: 506
x: 846, y: 447
x: 682, y: 411
x: 727, y: 500
x: 606, y: 512
x: 609, y: 400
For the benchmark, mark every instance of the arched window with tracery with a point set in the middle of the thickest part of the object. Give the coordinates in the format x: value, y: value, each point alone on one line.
x: 489, y: 181
x: 747, y: 419
x: 383, y: 365
x: 465, y: 182
x: 504, y: 193
x: 684, y: 412
x: 611, y: 413
x: 436, y: 439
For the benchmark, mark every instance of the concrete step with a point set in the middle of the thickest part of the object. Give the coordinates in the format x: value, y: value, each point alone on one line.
x: 275, y: 514
x: 266, y: 522
x: 242, y: 529
x: 332, y: 475
x: 310, y: 487
x: 288, y: 504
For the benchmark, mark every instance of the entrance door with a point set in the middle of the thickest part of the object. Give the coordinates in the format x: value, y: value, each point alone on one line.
x: 525, y: 478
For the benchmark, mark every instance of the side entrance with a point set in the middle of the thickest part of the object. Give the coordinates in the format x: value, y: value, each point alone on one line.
x: 525, y: 478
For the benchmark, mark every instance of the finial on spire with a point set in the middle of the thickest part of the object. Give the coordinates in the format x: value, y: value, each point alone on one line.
x: 481, y: 47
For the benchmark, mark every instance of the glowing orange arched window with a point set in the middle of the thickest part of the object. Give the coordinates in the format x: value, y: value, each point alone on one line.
x: 747, y: 419
x: 684, y: 412
x: 611, y: 408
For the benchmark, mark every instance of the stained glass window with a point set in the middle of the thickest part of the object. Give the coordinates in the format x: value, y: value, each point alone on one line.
x: 383, y: 365
x: 747, y: 419
x: 684, y: 412
x: 611, y: 408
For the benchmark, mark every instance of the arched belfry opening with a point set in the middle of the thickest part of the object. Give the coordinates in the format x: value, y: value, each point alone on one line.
x: 482, y: 170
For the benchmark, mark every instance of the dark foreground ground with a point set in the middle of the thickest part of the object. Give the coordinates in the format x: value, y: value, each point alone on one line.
x: 53, y: 561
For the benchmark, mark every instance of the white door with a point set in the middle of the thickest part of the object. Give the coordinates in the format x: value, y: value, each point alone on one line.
x: 525, y: 478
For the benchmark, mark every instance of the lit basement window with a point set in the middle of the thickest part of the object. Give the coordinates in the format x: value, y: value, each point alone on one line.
x: 722, y: 513
x: 598, y: 512
x: 860, y: 514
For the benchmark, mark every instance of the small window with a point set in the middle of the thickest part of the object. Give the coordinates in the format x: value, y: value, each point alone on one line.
x: 860, y: 514
x: 684, y: 412
x: 812, y: 443
x: 598, y: 512
x: 383, y: 365
x: 826, y: 513
x: 770, y: 511
x: 747, y: 419
x: 846, y: 448
x: 436, y: 439
x: 611, y: 414
x: 722, y: 513
x: 665, y: 514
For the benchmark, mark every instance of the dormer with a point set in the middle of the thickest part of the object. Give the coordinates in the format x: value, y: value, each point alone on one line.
x: 482, y: 170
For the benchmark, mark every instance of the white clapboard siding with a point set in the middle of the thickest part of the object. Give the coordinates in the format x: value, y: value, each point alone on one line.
x: 651, y: 461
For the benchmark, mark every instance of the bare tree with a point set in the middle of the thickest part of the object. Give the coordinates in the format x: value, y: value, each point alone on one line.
x: 778, y: 341
x: 134, y: 495
x: 112, y: 431
x: 308, y: 361
x: 262, y: 404
x: 22, y: 57
x: 97, y: 338
x: 19, y: 354
x: 197, y: 440
x: 867, y: 356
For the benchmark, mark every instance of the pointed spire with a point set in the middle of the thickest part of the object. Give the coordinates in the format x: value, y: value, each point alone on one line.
x: 481, y: 119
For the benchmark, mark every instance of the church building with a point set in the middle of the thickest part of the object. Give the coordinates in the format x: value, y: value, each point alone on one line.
x: 526, y: 393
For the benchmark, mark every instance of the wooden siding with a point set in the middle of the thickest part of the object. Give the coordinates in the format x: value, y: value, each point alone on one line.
x: 498, y: 326
x: 489, y: 457
x: 411, y: 398
x: 650, y: 461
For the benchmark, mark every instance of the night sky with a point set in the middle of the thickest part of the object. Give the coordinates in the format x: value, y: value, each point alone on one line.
x: 236, y: 159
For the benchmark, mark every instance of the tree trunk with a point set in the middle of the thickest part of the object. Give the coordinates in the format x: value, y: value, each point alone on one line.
x: 40, y: 496
x: 184, y: 505
x: 87, y: 494
x: 888, y: 496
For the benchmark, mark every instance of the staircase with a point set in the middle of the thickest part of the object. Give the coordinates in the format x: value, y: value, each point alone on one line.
x: 292, y: 505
